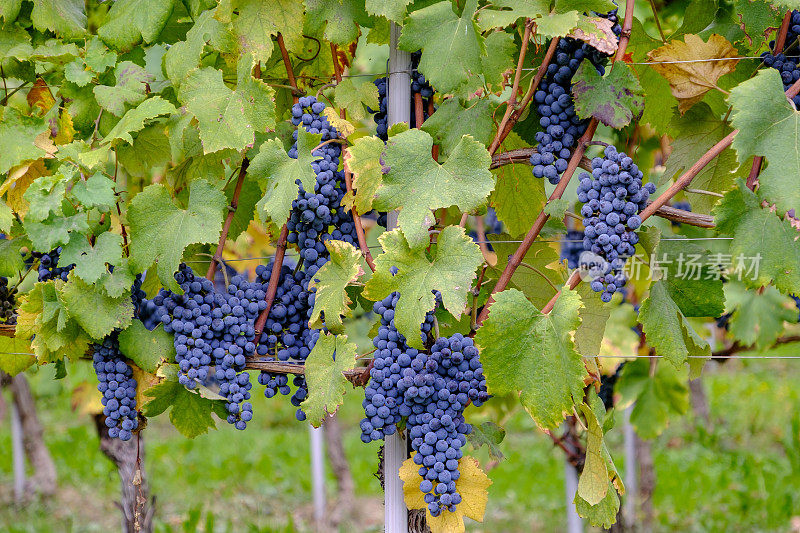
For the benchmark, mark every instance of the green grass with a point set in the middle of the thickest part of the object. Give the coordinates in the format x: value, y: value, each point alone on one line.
x: 740, y: 474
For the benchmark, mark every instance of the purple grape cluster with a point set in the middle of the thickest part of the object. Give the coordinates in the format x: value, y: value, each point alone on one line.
x: 118, y: 388
x: 214, y: 327
x: 429, y: 390
x: 572, y: 247
x: 48, y: 265
x: 8, y: 302
x: 612, y: 197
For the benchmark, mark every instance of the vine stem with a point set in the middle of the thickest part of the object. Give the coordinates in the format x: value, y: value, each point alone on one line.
x: 758, y: 161
x: 537, y: 79
x: 667, y: 195
x: 512, y: 100
x: 515, y: 260
x: 280, y: 250
x: 226, y: 227
x: 348, y: 180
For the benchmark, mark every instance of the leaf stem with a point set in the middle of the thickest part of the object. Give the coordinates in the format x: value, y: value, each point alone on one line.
x: 658, y: 22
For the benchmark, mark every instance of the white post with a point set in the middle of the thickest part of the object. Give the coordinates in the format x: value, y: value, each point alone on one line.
x: 18, y: 454
x: 574, y: 522
x: 631, y: 470
x: 317, y: 473
x: 394, y: 450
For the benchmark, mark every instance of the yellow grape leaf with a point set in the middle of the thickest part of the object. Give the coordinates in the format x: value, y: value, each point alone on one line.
x: 85, y: 399
x: 343, y: 126
x: 473, y: 486
x: 689, y: 82
x: 66, y: 130
x: 598, y: 33
x: 40, y: 97
x: 144, y: 381
x: 18, y: 182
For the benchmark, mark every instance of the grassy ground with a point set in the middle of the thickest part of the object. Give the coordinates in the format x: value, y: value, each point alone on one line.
x: 739, y: 474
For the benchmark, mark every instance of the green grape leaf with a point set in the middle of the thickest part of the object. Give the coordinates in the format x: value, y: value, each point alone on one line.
x: 764, y: 249
x: 451, y: 121
x: 452, y: 46
x: 667, y: 329
x: 593, y: 484
x: 97, y: 191
x: 450, y: 270
x: 129, y: 22
x: 98, y: 57
x: 56, y: 231
x: 135, y: 119
x: 656, y: 398
x: 394, y: 10
x: 148, y: 349
x: 594, y: 317
x: 96, y: 312
x: 90, y: 261
x: 6, y: 217
x: 44, y: 196
x: 17, y: 135
x: 530, y: 354
x: 330, y: 283
x: 129, y: 91
x: 248, y: 198
x: 499, y: 60
x: 160, y: 231
x: 9, y: 10
x: 228, y: 119
x: 340, y: 18
x: 490, y: 435
x: 43, y: 316
x: 363, y: 159
x: 691, y: 277
x: 756, y: 17
x: 604, y: 514
x: 757, y: 319
x: 119, y: 282
x: 277, y: 173
x: 260, y: 20
x: 149, y: 153
x: 416, y: 183
x: 356, y: 99
x: 190, y: 413
x: 695, y: 133
x: 66, y: 18
x: 540, y: 273
x: 11, y: 262
x: 331, y: 356
x: 15, y: 355
x: 183, y: 56
x: 547, y: 24
x: 769, y: 126
x: 615, y: 99
x: 696, y: 17
x: 517, y: 199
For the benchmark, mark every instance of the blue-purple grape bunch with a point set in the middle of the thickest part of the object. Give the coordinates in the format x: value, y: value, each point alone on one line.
x: 286, y: 336
x: 553, y: 98
x: 429, y: 390
x: 48, y: 265
x: 572, y: 248
x: 787, y: 65
x: 612, y: 197
x: 118, y: 387
x: 214, y: 327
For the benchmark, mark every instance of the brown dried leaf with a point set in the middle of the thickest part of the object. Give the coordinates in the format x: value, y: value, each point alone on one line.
x: 18, y: 181
x: 597, y: 32
x: 689, y: 82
